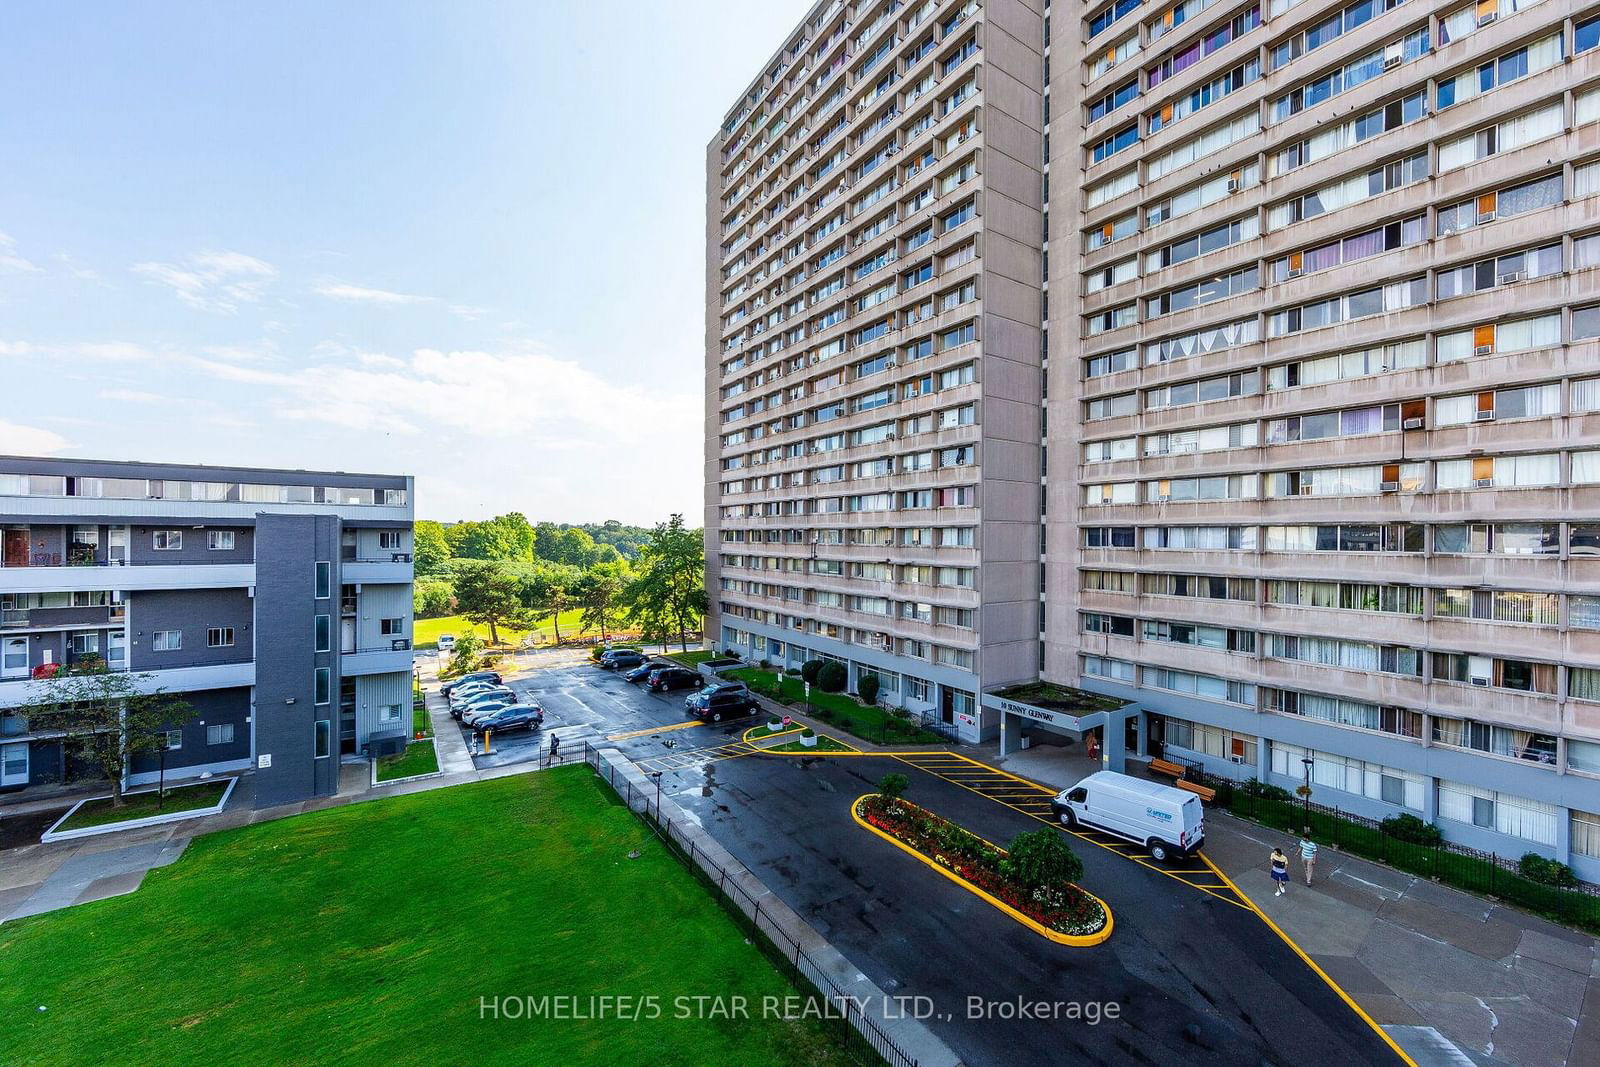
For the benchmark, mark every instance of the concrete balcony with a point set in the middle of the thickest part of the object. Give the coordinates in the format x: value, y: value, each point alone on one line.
x: 128, y: 579
x: 1513, y: 708
x: 396, y: 571
x: 385, y: 659
x: 18, y: 691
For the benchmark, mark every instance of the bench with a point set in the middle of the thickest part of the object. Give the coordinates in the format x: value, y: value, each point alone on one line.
x: 1204, y: 792
x: 1171, y: 770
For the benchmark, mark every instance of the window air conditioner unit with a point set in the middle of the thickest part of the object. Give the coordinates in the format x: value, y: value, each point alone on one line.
x: 1483, y: 416
x: 1483, y: 483
x: 1161, y: 498
x: 1483, y: 350
x: 1487, y: 17
x: 1412, y: 424
x: 1233, y: 185
x: 1388, y: 487
x: 1485, y: 216
x: 890, y: 363
x: 1391, y: 61
x: 889, y: 436
x: 1481, y: 682
x: 1306, y: 490
x: 1295, y: 272
x: 1514, y: 276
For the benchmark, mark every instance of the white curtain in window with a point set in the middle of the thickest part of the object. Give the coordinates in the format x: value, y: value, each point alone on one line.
x: 1544, y: 54
x: 1536, y: 125
x: 1457, y: 153
x: 1523, y: 334
x: 1586, y: 179
x: 1585, y: 466
x: 1586, y: 395
x: 1525, y: 819
x: 1543, y: 469
x: 1585, y: 833
x: 1455, y: 410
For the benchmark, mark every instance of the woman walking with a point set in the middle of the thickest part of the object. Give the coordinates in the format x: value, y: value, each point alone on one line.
x: 1280, y: 870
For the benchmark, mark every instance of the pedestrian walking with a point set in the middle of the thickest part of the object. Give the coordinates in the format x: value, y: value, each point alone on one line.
x: 1280, y: 870
x: 555, y: 747
x: 1308, y: 855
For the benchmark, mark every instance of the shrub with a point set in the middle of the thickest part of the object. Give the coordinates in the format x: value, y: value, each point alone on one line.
x: 808, y: 732
x: 832, y: 677
x: 1412, y: 829
x: 1536, y: 868
x: 893, y: 786
x: 1256, y: 788
x: 808, y: 671
x: 1041, y: 859
x: 822, y: 714
x: 867, y: 687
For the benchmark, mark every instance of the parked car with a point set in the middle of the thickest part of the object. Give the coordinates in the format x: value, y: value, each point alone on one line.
x: 599, y: 652
x: 520, y: 717
x: 662, y: 679
x: 717, y: 702
x: 447, y: 643
x: 493, y: 696
x: 467, y: 692
x: 477, y: 713
x: 461, y: 689
x: 1166, y: 821
x: 492, y: 677
x: 622, y: 658
x: 642, y: 671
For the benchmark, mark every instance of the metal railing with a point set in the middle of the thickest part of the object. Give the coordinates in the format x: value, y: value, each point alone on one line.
x: 859, y: 1032
x: 398, y: 644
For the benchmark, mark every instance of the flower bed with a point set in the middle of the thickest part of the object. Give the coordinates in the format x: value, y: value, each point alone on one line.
x: 1064, y: 912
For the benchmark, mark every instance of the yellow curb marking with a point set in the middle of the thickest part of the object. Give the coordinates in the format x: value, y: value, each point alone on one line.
x: 1075, y: 940
x: 1309, y: 962
x: 655, y: 730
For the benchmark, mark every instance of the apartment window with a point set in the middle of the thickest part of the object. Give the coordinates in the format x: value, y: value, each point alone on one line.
x: 1503, y: 270
x: 219, y: 540
x: 220, y: 734
x: 389, y: 539
x: 1109, y: 146
x: 1541, y: 55
x: 219, y: 637
x: 1203, y: 292
x: 167, y: 540
x: 166, y: 640
x: 1585, y: 35
x: 1503, y: 813
x: 1112, y: 100
x: 86, y: 644
x: 323, y: 738
x: 389, y: 713
x: 1346, y: 596
x: 323, y: 680
x: 324, y: 580
x: 1381, y: 719
x: 172, y: 740
x: 1491, y: 671
x: 1536, y: 125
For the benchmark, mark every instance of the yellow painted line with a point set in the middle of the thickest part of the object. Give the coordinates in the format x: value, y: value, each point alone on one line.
x: 745, y: 737
x: 655, y: 730
x: 1309, y: 962
x: 1075, y: 940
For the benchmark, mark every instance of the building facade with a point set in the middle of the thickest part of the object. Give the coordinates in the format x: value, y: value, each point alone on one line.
x: 1317, y: 359
x: 873, y: 320
x: 277, y: 604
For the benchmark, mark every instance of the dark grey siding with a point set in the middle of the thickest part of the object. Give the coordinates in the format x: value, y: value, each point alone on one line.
x: 196, y: 544
x: 287, y: 550
x: 211, y: 707
x: 193, y: 611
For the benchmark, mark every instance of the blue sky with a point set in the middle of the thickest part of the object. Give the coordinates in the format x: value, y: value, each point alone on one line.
x: 458, y: 240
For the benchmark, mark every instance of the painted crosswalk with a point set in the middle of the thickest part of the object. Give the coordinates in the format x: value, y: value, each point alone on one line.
x: 695, y: 757
x: 1033, y: 800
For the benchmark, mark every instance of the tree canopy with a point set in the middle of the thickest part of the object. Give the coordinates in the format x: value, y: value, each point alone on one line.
x: 669, y: 581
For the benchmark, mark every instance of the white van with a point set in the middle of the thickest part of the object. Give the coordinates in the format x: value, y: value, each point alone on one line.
x: 1166, y: 821
x: 447, y: 642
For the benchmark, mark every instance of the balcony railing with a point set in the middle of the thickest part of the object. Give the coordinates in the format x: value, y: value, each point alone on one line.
x: 57, y: 559
x: 398, y: 644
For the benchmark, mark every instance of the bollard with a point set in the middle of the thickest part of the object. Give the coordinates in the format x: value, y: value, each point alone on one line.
x: 486, y: 749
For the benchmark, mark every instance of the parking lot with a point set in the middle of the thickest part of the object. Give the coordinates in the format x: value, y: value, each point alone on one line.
x: 1197, y: 976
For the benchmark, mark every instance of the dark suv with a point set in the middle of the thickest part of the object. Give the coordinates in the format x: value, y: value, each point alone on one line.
x: 662, y: 679
x: 492, y: 677
x: 730, y: 700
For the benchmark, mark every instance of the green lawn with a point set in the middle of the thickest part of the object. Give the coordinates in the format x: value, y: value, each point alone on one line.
x: 367, y: 934
x: 421, y: 721
x: 143, y: 805
x: 419, y: 757
x: 840, y: 709
x: 692, y: 658
x: 824, y: 744
x: 425, y: 632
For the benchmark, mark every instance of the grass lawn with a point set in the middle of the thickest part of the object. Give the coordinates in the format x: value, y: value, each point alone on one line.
x: 143, y: 805
x: 824, y: 744
x: 692, y: 658
x: 840, y: 709
x: 425, y: 632
x: 367, y: 934
x: 761, y: 731
x: 419, y: 757
x: 421, y: 721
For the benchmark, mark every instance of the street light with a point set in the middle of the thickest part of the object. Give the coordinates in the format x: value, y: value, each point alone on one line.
x: 657, y: 776
x: 1305, y: 791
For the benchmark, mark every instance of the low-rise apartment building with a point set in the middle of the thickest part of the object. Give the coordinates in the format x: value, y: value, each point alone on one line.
x: 277, y: 604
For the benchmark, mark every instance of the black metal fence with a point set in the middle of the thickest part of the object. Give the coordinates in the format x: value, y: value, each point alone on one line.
x: 1470, y: 869
x: 860, y: 1034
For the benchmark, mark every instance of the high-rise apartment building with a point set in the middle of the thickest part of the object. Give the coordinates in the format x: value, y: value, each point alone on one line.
x: 873, y: 350
x: 1321, y: 385
x: 276, y: 604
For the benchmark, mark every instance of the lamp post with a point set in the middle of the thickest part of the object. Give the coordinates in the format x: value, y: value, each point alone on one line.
x: 1305, y: 791
x: 657, y: 776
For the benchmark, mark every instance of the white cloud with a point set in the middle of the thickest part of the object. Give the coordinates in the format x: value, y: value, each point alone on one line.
x: 212, y: 281
x: 29, y: 440
x: 134, y: 396
x: 10, y: 261
x: 15, y: 348
x: 357, y: 294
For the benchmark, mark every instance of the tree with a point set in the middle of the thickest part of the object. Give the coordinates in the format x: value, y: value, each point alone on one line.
x: 430, y: 549
x: 1041, y: 859
x: 107, y: 717
x: 893, y: 785
x: 832, y: 677
x: 431, y: 599
x: 489, y: 594
x: 598, y: 594
x: 867, y: 688
x: 468, y: 651
x: 546, y: 596
x: 670, y: 580
x: 509, y: 537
